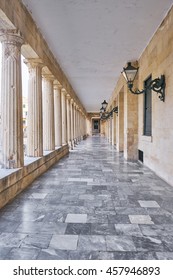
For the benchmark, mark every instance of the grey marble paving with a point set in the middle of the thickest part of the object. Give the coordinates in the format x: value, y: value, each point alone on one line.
x: 140, y: 219
x: 64, y: 242
x: 76, y: 218
x: 92, y: 204
x: 120, y: 243
x: 148, y: 203
x: 132, y: 229
x: 92, y: 243
x: 22, y: 253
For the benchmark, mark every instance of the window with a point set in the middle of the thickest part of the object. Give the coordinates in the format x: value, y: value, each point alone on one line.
x: 147, y: 109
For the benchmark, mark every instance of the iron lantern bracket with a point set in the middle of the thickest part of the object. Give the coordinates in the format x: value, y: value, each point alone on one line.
x: 157, y: 85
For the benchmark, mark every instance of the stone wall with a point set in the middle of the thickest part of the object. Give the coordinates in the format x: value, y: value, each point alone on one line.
x: 156, y: 60
x: 17, y: 180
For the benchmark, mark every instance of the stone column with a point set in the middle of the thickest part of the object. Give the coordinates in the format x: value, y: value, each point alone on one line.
x: 58, y: 114
x: 82, y: 125
x: 68, y: 120
x: 48, y: 113
x: 64, y: 116
x: 35, y: 124
x: 74, y: 114
x: 72, y: 122
x: 11, y: 100
x: 80, y: 120
x: 77, y: 122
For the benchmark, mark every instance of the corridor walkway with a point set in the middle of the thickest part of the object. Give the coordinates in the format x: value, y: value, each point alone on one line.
x: 91, y: 205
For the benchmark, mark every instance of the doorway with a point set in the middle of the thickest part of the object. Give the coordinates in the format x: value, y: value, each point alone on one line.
x: 95, y: 126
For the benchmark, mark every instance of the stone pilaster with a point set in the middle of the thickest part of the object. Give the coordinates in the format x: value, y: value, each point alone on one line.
x: 120, y: 125
x: 11, y: 100
x: 64, y: 116
x: 114, y: 126
x: 48, y: 113
x: 110, y: 128
x: 130, y: 125
x: 35, y: 123
x: 58, y: 114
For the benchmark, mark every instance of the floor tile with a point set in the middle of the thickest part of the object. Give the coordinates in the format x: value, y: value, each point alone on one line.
x: 134, y: 256
x: 4, y: 251
x: 140, y: 219
x: 37, y: 241
x: 164, y: 255
x: 38, y: 195
x: 120, y: 243
x: 102, y: 229
x: 52, y: 254
x: 148, y: 203
x: 91, y: 243
x: 76, y: 218
x: 22, y: 254
x: 125, y: 229
x: 11, y: 239
x: 149, y: 243
x: 77, y: 228
x: 64, y: 242
x: 157, y: 230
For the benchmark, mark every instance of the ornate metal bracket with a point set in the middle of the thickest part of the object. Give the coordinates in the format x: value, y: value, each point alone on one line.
x: 107, y: 115
x: 157, y: 85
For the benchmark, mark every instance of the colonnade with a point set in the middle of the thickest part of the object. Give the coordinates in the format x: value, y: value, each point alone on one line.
x: 54, y: 117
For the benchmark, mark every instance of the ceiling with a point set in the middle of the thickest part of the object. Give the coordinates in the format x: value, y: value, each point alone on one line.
x: 93, y: 39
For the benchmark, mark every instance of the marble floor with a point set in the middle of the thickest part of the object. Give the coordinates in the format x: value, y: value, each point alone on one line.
x: 92, y: 204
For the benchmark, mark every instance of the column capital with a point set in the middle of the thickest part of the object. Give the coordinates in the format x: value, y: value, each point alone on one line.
x: 49, y: 77
x: 68, y: 96
x: 57, y: 85
x: 34, y: 62
x: 63, y: 90
x: 11, y: 36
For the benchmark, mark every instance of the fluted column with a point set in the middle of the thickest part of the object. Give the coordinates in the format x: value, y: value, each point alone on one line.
x: 80, y: 121
x: 68, y: 120
x: 72, y: 123
x: 57, y: 113
x: 35, y: 123
x: 48, y: 113
x: 77, y: 125
x: 64, y: 116
x: 74, y: 118
x: 11, y: 100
